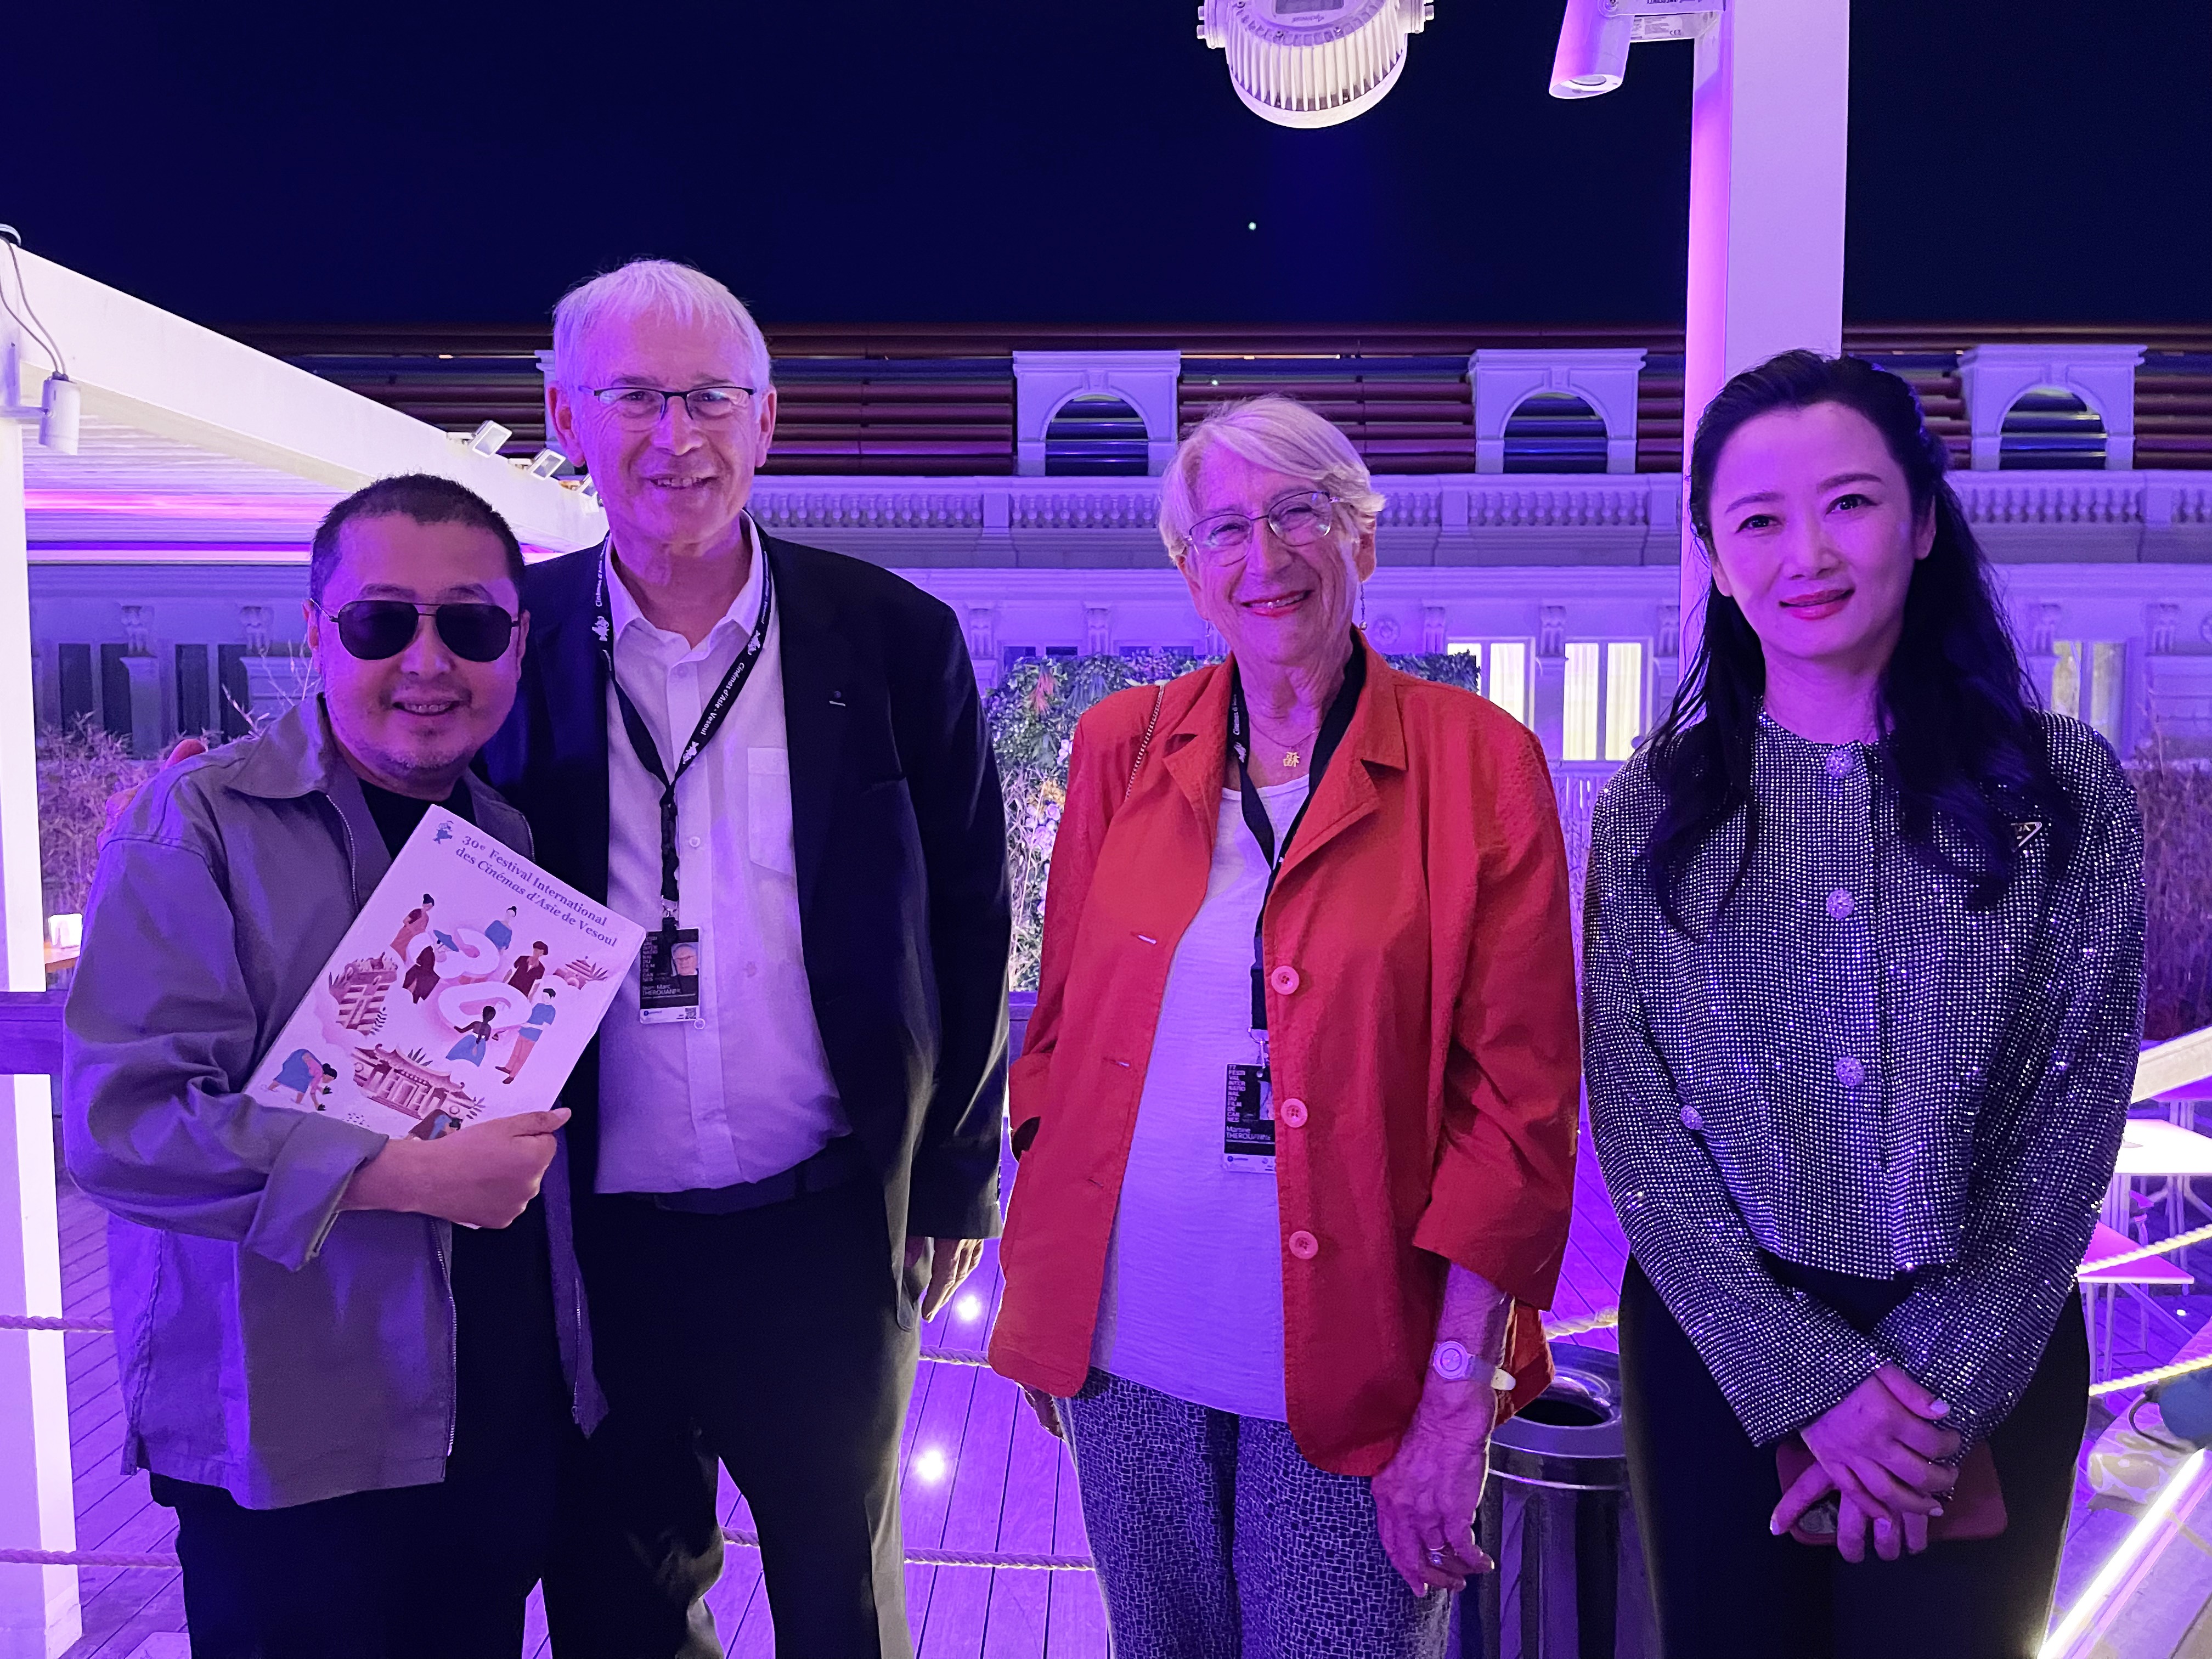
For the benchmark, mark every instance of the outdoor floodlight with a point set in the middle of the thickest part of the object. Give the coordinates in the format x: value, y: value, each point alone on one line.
x: 1595, y: 36
x: 1312, y: 62
x: 487, y: 439
x: 546, y: 462
x: 58, y: 413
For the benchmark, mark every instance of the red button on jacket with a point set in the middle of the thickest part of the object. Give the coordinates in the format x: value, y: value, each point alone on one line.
x: 1427, y: 891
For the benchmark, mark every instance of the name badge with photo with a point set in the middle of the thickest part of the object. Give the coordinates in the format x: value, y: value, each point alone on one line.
x: 668, y: 979
x: 1247, y: 1124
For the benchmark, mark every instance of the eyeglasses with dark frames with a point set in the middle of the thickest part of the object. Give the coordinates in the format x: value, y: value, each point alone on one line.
x: 644, y: 405
x: 375, y: 630
x: 1299, y: 520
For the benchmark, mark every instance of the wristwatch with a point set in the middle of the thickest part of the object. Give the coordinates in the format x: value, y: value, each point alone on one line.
x: 1456, y: 1363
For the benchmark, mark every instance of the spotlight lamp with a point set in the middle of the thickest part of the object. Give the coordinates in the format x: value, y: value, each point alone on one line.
x: 546, y: 462
x: 61, y: 405
x: 487, y: 439
x: 1312, y: 62
x: 1595, y: 36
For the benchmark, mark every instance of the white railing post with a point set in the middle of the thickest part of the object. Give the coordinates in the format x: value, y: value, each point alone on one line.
x: 38, y: 1610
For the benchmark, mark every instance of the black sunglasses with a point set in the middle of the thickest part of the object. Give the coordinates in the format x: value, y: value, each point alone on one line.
x: 374, y: 629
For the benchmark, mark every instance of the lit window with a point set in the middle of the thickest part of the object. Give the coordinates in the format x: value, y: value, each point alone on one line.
x: 1578, y: 736
x: 1624, y: 698
x: 1505, y: 677
x: 1604, y: 703
x: 2088, y: 680
x: 1505, y: 671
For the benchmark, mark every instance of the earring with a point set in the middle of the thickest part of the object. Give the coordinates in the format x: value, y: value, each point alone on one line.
x: 1363, y: 610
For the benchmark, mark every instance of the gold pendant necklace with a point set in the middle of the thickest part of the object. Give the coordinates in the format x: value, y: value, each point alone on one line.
x: 1291, y: 757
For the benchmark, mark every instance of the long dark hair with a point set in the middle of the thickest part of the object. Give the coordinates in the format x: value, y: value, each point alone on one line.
x: 1961, y: 724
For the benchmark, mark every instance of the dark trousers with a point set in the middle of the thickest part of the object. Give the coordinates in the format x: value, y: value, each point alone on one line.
x: 768, y: 1341
x: 437, y: 1571
x: 1726, y: 1588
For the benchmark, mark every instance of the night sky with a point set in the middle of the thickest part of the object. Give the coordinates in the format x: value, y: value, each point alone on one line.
x: 1060, y: 161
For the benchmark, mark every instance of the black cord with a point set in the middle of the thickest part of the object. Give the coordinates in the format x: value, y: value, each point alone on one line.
x: 38, y: 330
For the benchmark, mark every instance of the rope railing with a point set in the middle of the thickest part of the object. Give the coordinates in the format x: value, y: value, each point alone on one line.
x: 2156, y: 1375
x: 2161, y: 1246
x: 166, y: 1560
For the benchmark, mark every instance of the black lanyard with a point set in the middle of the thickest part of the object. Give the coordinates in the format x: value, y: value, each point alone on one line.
x: 1333, y: 728
x: 710, y: 721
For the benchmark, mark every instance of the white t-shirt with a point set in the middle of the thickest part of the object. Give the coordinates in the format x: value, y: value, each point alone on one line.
x: 1193, y: 1300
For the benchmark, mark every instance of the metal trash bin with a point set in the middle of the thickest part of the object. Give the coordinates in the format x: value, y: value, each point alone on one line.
x: 1560, y: 1522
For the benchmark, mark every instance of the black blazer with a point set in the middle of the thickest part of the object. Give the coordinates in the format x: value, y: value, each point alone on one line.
x: 899, y: 835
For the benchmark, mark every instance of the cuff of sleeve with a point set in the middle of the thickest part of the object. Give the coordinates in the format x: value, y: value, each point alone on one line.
x: 1506, y: 1256
x: 300, y: 1200
x: 1785, y: 1395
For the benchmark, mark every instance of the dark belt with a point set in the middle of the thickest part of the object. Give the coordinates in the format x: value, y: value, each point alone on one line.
x: 833, y: 1166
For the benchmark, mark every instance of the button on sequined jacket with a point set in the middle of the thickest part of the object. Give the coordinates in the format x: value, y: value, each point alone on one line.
x: 1850, y: 1069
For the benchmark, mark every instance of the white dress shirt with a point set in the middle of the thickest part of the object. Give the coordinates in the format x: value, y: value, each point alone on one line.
x: 746, y: 1093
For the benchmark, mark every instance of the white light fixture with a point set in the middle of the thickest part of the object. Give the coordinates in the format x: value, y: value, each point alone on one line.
x: 487, y: 439
x: 1312, y: 62
x: 59, y: 414
x: 929, y: 1466
x: 969, y: 1308
x: 546, y: 462
x: 1595, y: 35
x: 60, y: 405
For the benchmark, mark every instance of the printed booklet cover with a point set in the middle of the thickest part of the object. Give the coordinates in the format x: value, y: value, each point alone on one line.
x: 466, y: 988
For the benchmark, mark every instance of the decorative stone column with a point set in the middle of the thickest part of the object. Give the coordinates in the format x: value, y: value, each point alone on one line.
x: 1548, y: 713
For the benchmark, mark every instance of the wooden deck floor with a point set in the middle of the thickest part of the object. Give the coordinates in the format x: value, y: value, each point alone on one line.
x: 979, y: 1474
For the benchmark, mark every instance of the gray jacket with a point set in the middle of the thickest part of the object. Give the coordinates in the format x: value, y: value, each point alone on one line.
x: 269, y: 1344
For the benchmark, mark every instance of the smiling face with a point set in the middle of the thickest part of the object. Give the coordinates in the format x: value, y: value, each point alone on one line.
x: 1285, y: 606
x: 412, y: 723
x: 1814, y: 538
x: 677, y: 484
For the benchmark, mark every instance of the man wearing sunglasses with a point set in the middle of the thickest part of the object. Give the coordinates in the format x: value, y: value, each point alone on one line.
x: 354, y: 1367
x: 774, y: 759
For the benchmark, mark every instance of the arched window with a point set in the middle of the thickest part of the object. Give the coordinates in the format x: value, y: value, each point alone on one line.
x: 1555, y: 432
x: 1095, y: 434
x: 2047, y: 428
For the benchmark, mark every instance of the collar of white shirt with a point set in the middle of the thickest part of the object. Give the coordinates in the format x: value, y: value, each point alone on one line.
x: 744, y: 610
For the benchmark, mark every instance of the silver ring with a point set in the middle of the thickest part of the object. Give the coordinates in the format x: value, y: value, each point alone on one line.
x: 1436, y: 1558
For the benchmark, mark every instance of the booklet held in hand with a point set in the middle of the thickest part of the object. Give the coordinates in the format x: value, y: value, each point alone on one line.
x: 466, y: 988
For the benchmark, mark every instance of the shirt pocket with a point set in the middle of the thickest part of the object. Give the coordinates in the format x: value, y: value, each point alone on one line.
x: 768, y: 810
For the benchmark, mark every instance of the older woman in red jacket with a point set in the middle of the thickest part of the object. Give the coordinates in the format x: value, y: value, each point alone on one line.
x: 1296, y: 1107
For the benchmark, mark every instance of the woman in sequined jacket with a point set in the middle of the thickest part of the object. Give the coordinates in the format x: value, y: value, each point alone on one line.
x: 1863, y: 971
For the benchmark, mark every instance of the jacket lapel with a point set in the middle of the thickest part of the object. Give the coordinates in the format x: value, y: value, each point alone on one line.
x: 817, y: 668
x: 1375, y: 738
x: 571, y: 818
x: 1197, y: 746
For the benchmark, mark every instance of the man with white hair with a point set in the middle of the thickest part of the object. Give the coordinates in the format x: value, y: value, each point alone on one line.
x: 775, y: 759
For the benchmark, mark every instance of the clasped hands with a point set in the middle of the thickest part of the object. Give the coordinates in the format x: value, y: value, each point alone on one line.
x: 1884, y: 1456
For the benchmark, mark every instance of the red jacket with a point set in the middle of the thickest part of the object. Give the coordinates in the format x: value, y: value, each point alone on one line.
x: 1421, y: 1011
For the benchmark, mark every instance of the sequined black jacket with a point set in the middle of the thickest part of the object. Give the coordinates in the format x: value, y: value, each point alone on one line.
x: 1847, y: 1068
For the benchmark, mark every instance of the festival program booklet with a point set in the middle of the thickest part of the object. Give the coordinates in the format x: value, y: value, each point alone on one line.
x: 467, y: 988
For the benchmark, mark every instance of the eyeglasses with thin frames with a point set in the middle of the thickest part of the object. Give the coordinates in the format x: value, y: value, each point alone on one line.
x: 1299, y: 520
x: 644, y: 405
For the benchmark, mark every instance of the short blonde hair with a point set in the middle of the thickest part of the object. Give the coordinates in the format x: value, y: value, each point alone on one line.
x: 645, y: 286
x: 1281, y: 434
